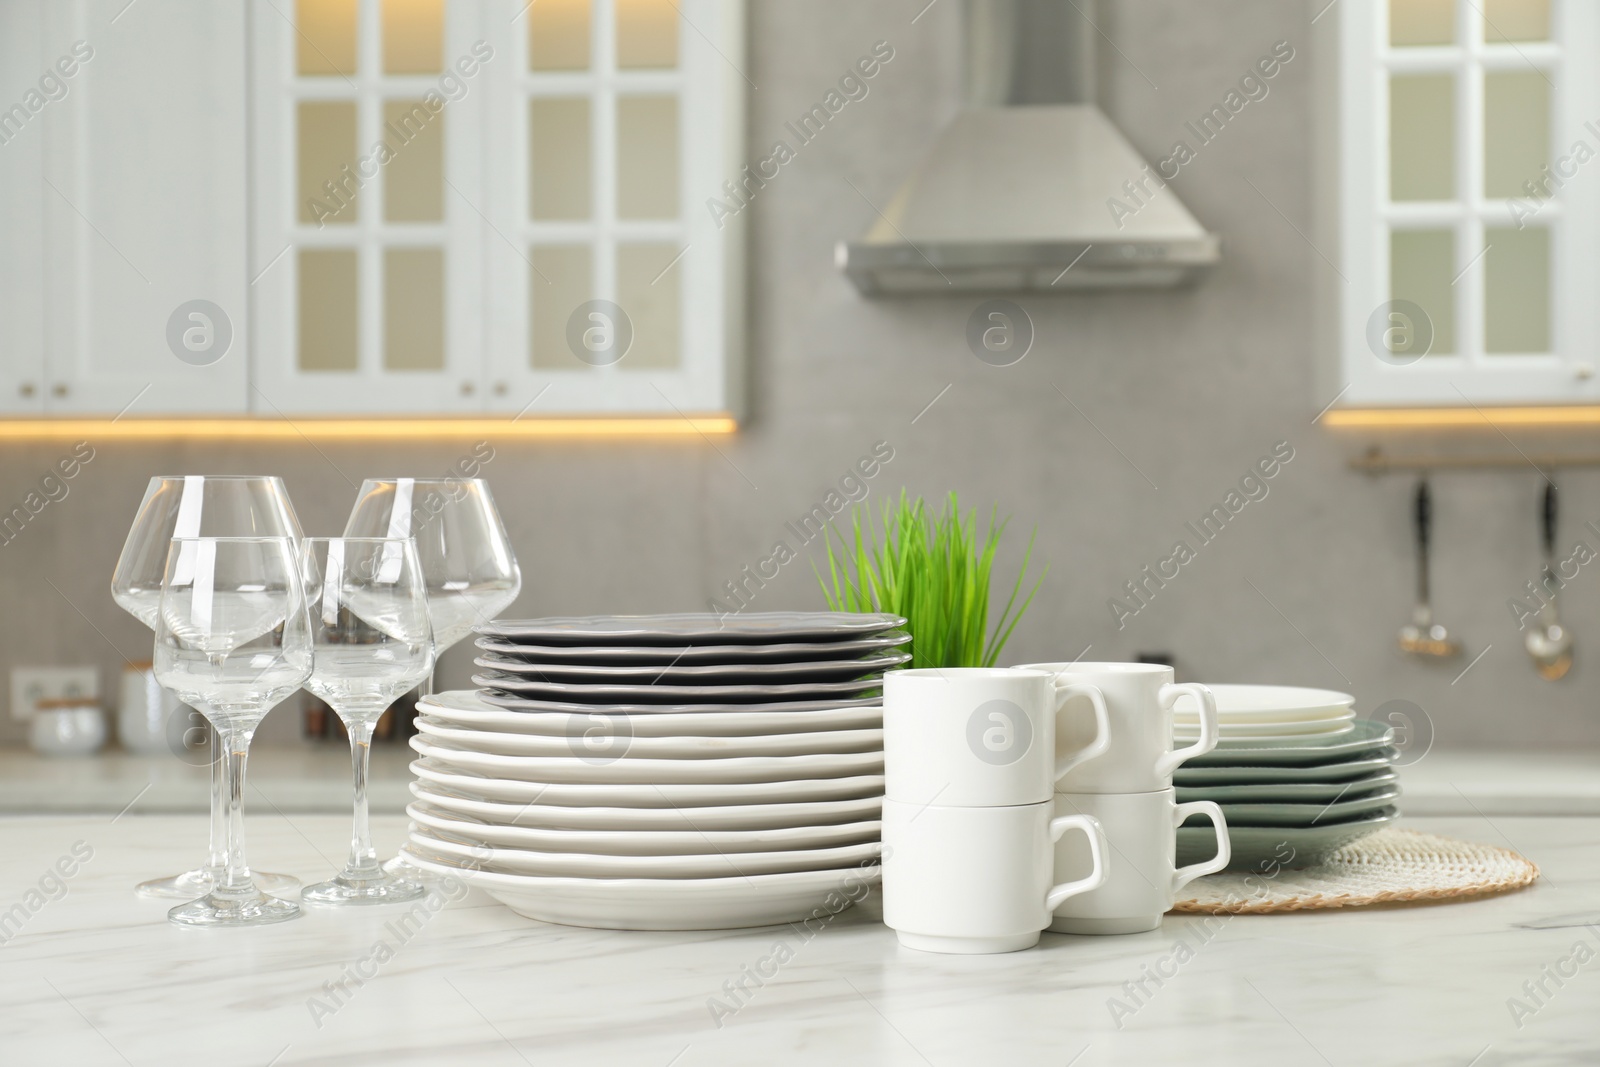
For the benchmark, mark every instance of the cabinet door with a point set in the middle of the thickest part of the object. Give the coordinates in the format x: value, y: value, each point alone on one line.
x: 614, y: 287
x: 142, y: 196
x: 22, y: 248
x: 368, y: 146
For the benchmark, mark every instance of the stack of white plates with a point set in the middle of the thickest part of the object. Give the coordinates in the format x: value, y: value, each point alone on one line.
x: 1266, y: 713
x: 661, y: 772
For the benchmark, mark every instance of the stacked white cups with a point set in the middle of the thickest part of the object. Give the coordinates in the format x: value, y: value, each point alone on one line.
x: 1126, y: 787
x: 970, y: 838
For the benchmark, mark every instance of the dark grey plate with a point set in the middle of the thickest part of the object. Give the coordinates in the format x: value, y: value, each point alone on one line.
x: 1341, y: 771
x: 1255, y: 848
x: 1364, y: 738
x: 821, y: 670
x: 749, y: 628
x: 616, y: 692
x: 785, y: 651
x: 518, y: 703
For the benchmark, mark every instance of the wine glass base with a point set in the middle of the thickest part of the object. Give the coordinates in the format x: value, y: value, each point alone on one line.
x: 376, y: 889
x: 198, y: 882
x: 256, y: 909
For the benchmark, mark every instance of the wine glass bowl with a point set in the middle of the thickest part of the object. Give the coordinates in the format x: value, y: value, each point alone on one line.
x: 465, y: 555
x: 233, y: 639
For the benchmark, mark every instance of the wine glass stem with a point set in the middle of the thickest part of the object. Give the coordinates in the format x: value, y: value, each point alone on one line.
x: 363, y: 857
x: 235, y: 880
x: 425, y: 687
x: 218, y: 850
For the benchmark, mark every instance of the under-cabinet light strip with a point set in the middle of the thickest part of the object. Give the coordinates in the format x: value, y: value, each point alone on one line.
x: 365, y: 429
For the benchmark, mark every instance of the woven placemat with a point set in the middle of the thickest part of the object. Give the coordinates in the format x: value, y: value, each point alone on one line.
x: 1390, y: 865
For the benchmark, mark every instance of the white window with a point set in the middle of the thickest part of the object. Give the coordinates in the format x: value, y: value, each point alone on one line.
x: 1468, y: 154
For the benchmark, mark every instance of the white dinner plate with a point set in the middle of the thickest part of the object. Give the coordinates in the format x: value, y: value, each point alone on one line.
x: 1186, y: 738
x: 542, y: 815
x: 694, y: 673
x: 646, y: 842
x: 442, y: 849
x: 609, y: 736
x: 670, y: 903
x: 604, y: 766
x: 1274, y: 703
x: 645, y: 693
x: 789, y: 651
x: 1255, y: 731
x: 695, y: 793
x: 755, y: 627
x: 463, y: 707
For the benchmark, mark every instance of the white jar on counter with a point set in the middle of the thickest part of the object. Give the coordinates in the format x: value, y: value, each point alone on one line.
x: 70, y: 727
x: 151, y: 720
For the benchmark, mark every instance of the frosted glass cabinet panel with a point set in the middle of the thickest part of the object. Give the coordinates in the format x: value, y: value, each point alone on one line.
x: 1466, y: 268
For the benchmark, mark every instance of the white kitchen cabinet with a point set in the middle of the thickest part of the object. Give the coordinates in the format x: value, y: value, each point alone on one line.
x: 132, y: 181
x: 392, y: 206
x: 1461, y: 234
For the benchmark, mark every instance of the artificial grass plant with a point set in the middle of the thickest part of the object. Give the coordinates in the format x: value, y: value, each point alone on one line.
x: 933, y: 569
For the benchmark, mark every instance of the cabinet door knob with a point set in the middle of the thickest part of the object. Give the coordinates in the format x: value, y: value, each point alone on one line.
x: 501, y: 389
x: 1583, y: 371
x: 59, y: 389
x: 26, y: 389
x: 467, y: 388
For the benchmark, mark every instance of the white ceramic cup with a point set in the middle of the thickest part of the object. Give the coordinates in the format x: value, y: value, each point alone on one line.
x: 976, y: 880
x: 1139, y: 698
x: 980, y: 736
x: 1142, y: 837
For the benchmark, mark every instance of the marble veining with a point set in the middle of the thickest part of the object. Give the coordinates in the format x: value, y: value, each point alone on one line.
x: 91, y: 975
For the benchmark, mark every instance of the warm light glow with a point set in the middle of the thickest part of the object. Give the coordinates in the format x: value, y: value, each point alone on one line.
x: 365, y: 429
x: 1430, y: 418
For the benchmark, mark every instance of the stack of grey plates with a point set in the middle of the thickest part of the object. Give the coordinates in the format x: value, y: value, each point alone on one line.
x: 661, y: 772
x: 1292, y: 792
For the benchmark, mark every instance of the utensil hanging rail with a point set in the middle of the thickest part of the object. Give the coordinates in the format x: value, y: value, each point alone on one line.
x: 1377, y: 461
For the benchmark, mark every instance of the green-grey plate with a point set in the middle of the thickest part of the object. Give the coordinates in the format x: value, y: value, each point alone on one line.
x: 1256, y: 848
x: 1306, y: 815
x: 1363, y: 738
x: 1342, y: 771
x: 1289, y: 792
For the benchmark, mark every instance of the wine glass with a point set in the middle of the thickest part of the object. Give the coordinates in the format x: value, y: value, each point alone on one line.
x: 467, y: 563
x: 371, y: 643
x: 197, y: 506
x: 233, y: 639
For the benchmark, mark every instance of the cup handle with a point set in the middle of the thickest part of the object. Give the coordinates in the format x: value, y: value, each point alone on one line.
x: 1219, y: 823
x: 1102, y: 725
x: 1097, y: 846
x: 1208, y: 725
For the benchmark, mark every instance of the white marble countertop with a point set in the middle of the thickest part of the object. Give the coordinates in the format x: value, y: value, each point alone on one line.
x: 315, y: 777
x: 97, y: 976
x: 309, y: 777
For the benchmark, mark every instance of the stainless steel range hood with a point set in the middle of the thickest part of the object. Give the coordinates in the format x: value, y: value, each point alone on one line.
x: 1021, y: 190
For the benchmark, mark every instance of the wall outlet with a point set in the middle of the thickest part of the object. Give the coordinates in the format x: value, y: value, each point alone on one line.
x: 29, y: 685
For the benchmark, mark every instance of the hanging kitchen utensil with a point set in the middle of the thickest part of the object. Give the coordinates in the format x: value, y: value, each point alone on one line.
x: 1549, y: 643
x: 1423, y: 637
